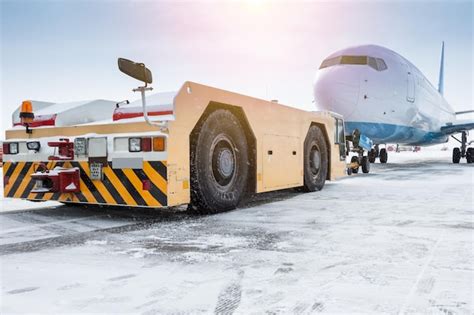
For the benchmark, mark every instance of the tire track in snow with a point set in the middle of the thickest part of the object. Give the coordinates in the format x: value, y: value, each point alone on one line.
x: 420, y: 275
x: 229, y: 297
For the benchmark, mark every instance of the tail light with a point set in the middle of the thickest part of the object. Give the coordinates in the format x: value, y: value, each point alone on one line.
x: 134, y: 144
x: 159, y: 144
x: 6, y: 148
x: 146, y: 144
x: 10, y: 148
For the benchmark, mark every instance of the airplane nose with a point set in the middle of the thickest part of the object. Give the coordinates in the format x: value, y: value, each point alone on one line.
x: 337, y: 89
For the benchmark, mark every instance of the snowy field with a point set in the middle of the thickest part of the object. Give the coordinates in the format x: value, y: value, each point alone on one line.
x: 397, y: 240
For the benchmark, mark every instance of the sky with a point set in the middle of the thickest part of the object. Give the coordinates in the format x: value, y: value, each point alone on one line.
x: 63, y: 51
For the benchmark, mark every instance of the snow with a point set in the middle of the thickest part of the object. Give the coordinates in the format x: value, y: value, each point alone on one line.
x: 71, y: 186
x: 397, y: 240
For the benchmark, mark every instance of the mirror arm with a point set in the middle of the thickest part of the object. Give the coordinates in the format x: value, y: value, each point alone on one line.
x: 162, y: 125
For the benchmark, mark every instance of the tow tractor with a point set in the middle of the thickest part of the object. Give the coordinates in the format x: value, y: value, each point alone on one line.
x: 201, y: 146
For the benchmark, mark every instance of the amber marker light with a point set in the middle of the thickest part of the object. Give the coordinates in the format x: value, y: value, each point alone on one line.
x: 159, y: 144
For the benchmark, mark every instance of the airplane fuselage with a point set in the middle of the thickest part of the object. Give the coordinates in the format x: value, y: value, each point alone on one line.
x: 384, y: 96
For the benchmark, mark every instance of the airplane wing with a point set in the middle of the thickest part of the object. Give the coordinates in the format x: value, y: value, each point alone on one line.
x: 458, y: 127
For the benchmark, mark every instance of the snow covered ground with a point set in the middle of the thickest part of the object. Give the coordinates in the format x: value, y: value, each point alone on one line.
x: 399, y: 239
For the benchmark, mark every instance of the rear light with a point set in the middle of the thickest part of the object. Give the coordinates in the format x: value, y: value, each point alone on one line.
x: 34, y: 145
x: 146, y: 144
x: 6, y: 148
x: 159, y: 144
x: 146, y: 184
x: 13, y: 148
x: 134, y: 144
x: 80, y: 146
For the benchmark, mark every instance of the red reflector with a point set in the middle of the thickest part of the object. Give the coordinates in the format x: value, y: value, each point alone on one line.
x: 6, y: 180
x: 41, y: 120
x: 146, y: 144
x: 6, y: 148
x: 146, y: 184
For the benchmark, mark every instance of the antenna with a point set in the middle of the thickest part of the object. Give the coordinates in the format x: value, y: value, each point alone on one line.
x: 441, y: 72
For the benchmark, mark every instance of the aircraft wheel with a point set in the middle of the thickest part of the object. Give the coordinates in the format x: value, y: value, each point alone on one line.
x: 470, y: 155
x: 365, y: 164
x: 315, y: 160
x: 219, y: 164
x: 372, y: 155
x: 456, y: 155
x: 383, y: 155
x: 355, y: 159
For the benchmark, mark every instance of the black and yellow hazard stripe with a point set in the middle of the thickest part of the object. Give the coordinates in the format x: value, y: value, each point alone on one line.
x: 118, y: 187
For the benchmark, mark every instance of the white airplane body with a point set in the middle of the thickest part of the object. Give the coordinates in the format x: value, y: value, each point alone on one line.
x: 385, y: 97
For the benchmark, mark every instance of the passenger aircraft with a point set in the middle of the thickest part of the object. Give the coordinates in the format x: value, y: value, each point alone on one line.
x: 389, y: 100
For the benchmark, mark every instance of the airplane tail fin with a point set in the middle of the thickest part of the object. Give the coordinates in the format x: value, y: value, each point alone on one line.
x: 441, y: 72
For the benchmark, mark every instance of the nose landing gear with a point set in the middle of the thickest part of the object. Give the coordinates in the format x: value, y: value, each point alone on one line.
x: 375, y: 153
x: 360, y: 160
x: 463, y: 151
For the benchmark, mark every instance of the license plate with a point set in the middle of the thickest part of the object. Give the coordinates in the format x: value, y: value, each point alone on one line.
x: 96, y: 171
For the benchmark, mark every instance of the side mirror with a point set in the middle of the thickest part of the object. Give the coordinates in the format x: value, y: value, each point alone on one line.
x: 135, y: 70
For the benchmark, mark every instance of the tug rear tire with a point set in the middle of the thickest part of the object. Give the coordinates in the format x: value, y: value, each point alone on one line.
x: 315, y: 160
x: 219, y: 164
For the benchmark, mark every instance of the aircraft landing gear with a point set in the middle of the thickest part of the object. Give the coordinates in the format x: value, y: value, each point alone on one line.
x: 372, y: 155
x: 383, y: 156
x: 359, y: 161
x: 359, y: 144
x: 365, y: 164
x: 463, y: 151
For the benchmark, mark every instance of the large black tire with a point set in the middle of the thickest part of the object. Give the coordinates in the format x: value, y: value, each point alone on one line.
x: 383, y: 156
x: 219, y: 164
x: 372, y: 155
x: 315, y: 160
x: 365, y: 164
x: 470, y: 155
x: 355, y: 159
x: 456, y: 155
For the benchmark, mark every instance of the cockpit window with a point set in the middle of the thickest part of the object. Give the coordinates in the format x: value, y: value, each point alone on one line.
x: 375, y: 63
x: 381, y: 65
x: 354, y: 60
x: 330, y: 62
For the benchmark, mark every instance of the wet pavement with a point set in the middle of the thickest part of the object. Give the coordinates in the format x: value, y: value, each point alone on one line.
x: 397, y: 240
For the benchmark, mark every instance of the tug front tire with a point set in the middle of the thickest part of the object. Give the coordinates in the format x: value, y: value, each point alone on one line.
x: 219, y: 164
x: 315, y: 160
